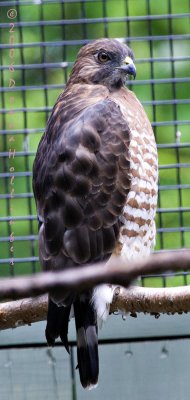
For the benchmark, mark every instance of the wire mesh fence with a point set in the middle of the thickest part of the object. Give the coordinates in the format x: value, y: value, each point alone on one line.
x: 39, y: 43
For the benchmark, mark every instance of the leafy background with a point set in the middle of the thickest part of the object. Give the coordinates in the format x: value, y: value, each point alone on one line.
x: 161, y: 48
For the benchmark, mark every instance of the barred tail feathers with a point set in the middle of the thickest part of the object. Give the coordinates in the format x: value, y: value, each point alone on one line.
x: 87, y: 341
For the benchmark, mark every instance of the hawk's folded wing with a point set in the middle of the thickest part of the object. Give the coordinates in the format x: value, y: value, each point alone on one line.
x: 81, y: 181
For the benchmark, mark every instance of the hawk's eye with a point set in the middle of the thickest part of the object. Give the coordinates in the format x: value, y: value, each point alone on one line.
x: 103, y: 57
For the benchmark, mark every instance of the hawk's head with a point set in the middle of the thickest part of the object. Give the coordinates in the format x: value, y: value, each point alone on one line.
x: 104, y: 61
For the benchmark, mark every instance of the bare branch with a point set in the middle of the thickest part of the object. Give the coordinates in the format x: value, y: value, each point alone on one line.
x: 136, y: 299
x: 133, y: 300
x: 23, y: 312
x: 82, y: 278
x: 152, y: 300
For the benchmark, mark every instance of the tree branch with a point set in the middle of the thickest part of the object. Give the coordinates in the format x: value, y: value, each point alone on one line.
x: 78, y: 279
x: 133, y: 300
x: 23, y: 312
x: 152, y: 300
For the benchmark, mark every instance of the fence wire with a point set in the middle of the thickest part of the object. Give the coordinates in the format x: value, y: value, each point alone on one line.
x: 38, y: 45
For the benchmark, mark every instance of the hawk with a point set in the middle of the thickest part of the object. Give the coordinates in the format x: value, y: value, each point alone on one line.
x: 95, y: 185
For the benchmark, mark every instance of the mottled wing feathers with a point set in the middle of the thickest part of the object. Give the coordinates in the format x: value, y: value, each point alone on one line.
x: 82, y: 185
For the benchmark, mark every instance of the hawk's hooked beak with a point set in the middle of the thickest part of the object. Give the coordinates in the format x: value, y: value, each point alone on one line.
x: 128, y: 67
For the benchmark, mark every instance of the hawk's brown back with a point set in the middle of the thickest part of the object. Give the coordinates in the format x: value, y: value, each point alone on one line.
x: 82, y: 178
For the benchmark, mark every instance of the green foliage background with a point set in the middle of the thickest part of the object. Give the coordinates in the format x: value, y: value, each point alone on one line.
x: 35, y: 99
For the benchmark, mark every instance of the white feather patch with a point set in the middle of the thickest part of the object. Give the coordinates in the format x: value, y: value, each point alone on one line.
x: 101, y: 299
x: 90, y: 387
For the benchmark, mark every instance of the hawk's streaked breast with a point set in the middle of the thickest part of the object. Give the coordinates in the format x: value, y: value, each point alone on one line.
x: 137, y: 235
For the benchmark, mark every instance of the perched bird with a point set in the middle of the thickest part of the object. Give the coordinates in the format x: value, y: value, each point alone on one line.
x: 95, y: 185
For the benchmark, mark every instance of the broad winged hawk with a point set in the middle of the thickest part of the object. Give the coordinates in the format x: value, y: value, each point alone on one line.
x: 95, y: 185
